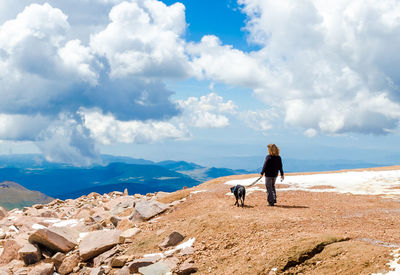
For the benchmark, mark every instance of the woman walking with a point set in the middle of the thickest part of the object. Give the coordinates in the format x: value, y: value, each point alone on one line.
x: 272, y: 165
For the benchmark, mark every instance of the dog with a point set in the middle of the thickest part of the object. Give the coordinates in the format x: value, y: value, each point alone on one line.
x: 240, y: 193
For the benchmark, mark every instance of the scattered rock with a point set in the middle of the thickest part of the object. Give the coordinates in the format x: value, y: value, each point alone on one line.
x: 30, y: 254
x: 57, y: 239
x: 138, y: 263
x: 122, y: 271
x: 97, y: 271
x: 115, y: 220
x: 171, y: 262
x: 187, y: 251
x: 126, y: 192
x: 3, y: 213
x: 125, y: 224
x: 186, y: 268
x: 97, y: 242
x: 119, y: 261
x: 173, y: 239
x: 57, y: 259
x: 105, y: 257
x: 155, y: 269
x: 43, y: 269
x: 10, y: 251
x: 146, y: 209
x: 127, y: 235
x: 68, y: 264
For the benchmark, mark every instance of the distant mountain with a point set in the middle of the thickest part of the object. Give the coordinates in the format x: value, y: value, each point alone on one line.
x: 179, y: 165
x: 62, y: 182
x: 14, y: 195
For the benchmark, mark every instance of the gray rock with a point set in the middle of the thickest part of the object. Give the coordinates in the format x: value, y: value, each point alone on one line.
x: 138, y: 263
x: 68, y: 264
x: 97, y: 242
x: 146, y: 209
x: 30, y: 254
x: 105, y: 257
x: 128, y: 234
x: 186, y: 268
x: 97, y: 271
x: 173, y: 239
x: 57, y: 259
x: 122, y: 271
x: 155, y: 269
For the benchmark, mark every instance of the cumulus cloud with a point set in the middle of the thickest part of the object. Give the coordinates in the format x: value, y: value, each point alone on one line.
x: 259, y: 120
x: 209, y: 111
x: 106, y: 129
x: 143, y: 39
x: 339, y: 57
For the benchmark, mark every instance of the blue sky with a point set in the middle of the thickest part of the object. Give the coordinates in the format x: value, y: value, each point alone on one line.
x: 204, y: 81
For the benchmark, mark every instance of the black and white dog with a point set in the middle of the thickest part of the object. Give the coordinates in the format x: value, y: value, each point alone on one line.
x: 240, y: 193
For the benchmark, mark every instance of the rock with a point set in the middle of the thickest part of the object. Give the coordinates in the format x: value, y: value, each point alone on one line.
x: 10, y: 251
x: 155, y: 269
x: 57, y: 259
x: 122, y: 271
x: 115, y: 220
x: 159, y: 195
x: 68, y: 264
x: 97, y: 242
x: 186, y: 268
x: 30, y: 254
x: 126, y: 192
x: 127, y: 235
x: 3, y: 213
x: 173, y: 239
x: 119, y: 261
x: 105, y: 257
x: 47, y: 214
x: 138, y: 263
x: 2, y: 235
x: 61, y: 239
x: 21, y: 271
x: 171, y: 262
x: 94, y: 195
x: 43, y: 269
x: 82, y: 214
x: 187, y: 251
x: 97, y: 271
x: 146, y: 209
x: 125, y: 224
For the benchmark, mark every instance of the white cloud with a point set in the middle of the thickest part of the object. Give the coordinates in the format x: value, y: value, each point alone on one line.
x: 106, y: 129
x: 259, y: 120
x: 209, y: 111
x: 143, y: 39
x: 21, y: 127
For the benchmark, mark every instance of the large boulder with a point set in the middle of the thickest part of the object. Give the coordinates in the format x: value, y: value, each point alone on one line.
x: 97, y: 242
x: 62, y: 239
x: 146, y: 209
x: 30, y: 254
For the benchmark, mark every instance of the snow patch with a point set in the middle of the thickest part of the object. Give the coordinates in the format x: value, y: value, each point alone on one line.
x: 167, y: 253
x: 37, y: 226
x: 354, y: 182
x: 394, y: 264
x: 199, y: 191
x: 70, y: 223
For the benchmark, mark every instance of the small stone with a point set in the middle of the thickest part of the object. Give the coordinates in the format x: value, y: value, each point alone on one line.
x: 186, y: 268
x: 173, y: 239
x: 155, y: 269
x: 115, y: 220
x: 68, y: 264
x: 97, y: 271
x: 30, y: 254
x: 119, y: 261
x: 138, y: 263
x: 127, y: 235
x: 57, y: 259
x: 43, y: 269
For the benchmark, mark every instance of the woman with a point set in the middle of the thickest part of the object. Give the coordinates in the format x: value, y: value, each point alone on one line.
x: 272, y: 165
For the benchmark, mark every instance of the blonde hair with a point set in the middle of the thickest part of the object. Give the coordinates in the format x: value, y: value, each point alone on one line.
x: 273, y: 150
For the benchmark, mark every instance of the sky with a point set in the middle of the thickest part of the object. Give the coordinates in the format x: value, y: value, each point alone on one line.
x: 204, y: 81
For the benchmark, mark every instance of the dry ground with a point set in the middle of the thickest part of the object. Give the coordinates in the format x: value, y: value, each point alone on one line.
x: 305, y: 233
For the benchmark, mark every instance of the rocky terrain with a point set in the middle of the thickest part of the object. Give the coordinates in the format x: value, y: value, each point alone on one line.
x: 199, y: 230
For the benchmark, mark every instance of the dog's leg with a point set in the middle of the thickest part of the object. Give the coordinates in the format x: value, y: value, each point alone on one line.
x: 244, y: 196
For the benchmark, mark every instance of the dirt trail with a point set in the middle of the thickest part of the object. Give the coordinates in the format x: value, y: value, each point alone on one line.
x: 305, y: 233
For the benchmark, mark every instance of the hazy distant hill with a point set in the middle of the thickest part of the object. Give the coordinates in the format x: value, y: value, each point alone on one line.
x: 61, y: 182
x: 13, y: 195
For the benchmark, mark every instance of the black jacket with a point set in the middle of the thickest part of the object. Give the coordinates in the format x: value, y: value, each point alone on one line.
x: 272, y: 165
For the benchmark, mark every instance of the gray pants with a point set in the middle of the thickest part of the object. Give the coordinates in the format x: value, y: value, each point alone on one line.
x: 271, y: 193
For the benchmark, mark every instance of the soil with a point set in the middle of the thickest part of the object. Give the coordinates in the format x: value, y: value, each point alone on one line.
x: 304, y: 233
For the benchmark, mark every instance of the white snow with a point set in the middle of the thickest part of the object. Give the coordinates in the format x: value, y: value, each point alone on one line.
x: 354, y: 182
x: 70, y: 223
x: 38, y: 226
x: 167, y: 253
x: 394, y: 264
x: 198, y: 191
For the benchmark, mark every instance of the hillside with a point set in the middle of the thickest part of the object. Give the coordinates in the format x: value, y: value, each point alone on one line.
x: 347, y: 222
x: 13, y: 195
